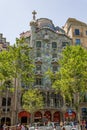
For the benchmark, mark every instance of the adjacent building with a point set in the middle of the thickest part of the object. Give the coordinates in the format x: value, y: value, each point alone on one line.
x: 76, y: 30
x: 3, y: 43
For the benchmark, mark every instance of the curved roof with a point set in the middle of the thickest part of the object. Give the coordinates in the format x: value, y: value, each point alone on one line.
x: 47, y: 23
x: 44, y: 22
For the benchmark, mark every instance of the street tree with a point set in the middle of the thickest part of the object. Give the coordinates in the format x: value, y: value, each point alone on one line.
x: 16, y: 65
x: 71, y: 79
x: 32, y: 100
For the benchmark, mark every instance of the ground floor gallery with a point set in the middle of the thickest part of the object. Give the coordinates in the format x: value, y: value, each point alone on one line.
x: 40, y: 116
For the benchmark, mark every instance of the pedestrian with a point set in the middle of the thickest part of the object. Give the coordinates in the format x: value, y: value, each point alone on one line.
x: 86, y: 125
x: 63, y: 128
x: 4, y: 126
x: 61, y: 123
x: 22, y: 127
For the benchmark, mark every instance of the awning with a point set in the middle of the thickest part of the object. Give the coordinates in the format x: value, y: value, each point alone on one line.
x: 24, y: 114
x: 38, y: 115
x: 72, y: 115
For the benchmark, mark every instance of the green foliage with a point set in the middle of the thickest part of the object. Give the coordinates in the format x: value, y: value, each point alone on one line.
x: 32, y: 100
x: 23, y: 63
x: 6, y: 69
x: 16, y: 62
x: 72, y: 76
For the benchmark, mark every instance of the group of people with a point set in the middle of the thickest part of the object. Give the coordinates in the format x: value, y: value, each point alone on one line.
x: 83, y: 124
x: 22, y: 127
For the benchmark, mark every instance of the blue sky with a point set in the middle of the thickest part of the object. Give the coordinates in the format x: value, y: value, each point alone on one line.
x: 15, y: 15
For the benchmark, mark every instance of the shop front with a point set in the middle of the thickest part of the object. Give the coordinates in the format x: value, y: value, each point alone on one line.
x: 38, y: 116
x: 56, y: 116
x: 70, y: 116
x: 24, y: 117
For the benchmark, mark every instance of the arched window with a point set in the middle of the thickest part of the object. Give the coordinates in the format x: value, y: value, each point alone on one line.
x: 54, y: 45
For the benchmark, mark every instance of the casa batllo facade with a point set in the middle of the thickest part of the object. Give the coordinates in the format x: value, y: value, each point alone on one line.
x: 47, y: 43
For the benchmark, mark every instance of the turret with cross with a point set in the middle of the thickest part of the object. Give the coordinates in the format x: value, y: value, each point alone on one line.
x: 34, y: 13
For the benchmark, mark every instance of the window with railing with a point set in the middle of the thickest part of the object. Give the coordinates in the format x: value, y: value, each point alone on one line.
x: 38, y: 54
x: 55, y: 68
x: 38, y: 81
x: 64, y: 44
x: 6, y: 101
x: 54, y: 55
x: 54, y: 45
x: 48, y: 99
x: 38, y: 67
x: 85, y: 98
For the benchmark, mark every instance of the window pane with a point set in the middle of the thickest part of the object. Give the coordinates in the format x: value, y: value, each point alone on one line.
x: 38, y: 44
x: 86, y: 32
x: 8, y: 100
x: 77, y: 32
x: 54, y: 45
x: 38, y: 81
x: 38, y: 67
x: 3, y: 101
x: 54, y: 68
x: 54, y: 55
x: 38, y: 54
x: 64, y: 44
x: 78, y: 42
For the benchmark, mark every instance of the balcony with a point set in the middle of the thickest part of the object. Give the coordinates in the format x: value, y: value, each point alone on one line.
x: 38, y: 86
x: 54, y: 60
x: 38, y: 59
x: 38, y: 72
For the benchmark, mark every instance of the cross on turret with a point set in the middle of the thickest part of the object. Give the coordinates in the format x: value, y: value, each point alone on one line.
x: 34, y: 13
